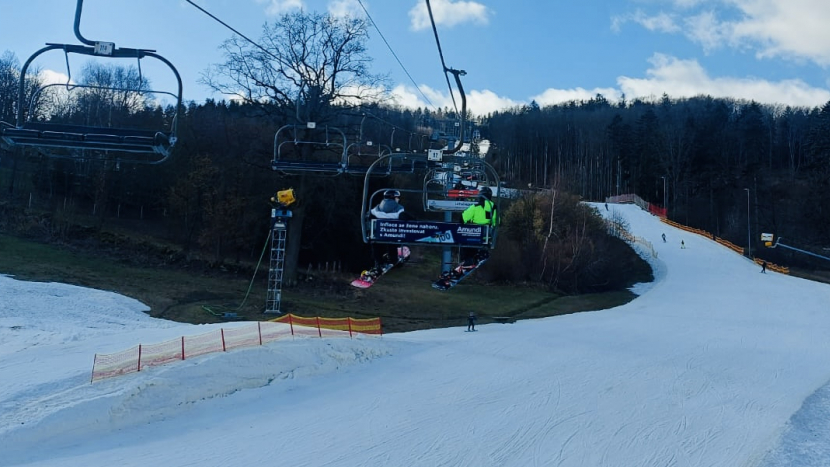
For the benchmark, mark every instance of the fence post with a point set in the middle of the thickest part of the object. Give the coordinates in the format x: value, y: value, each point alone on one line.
x: 320, y: 331
x: 139, y: 357
x: 92, y: 377
x: 222, y: 332
x: 350, y: 325
x: 182, y: 347
x: 259, y: 331
x: 291, y: 323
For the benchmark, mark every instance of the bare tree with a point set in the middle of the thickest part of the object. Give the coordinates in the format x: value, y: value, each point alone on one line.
x: 9, y: 102
x: 312, y: 59
x: 307, y: 68
x: 106, y: 96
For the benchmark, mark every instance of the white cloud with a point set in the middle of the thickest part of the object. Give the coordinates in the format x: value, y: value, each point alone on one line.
x: 557, y: 96
x: 666, y: 75
x: 689, y: 3
x: 706, y: 30
x: 478, y: 102
x: 54, y: 77
x: 343, y: 8
x: 280, y: 7
x: 661, y: 22
x: 448, y: 13
x: 787, y: 29
x: 687, y: 78
x: 485, y: 102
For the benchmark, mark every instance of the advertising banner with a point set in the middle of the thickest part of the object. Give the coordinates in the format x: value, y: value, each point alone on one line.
x: 448, y: 204
x: 387, y: 230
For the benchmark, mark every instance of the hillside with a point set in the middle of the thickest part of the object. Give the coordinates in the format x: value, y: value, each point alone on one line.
x: 194, y: 292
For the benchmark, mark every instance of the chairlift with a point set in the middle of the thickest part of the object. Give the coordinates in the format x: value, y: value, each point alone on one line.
x: 330, y: 153
x: 129, y: 145
x: 288, y: 142
x: 439, y: 198
x: 454, y: 186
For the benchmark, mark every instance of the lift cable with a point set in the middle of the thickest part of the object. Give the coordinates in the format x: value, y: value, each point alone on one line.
x: 395, y: 55
x: 457, y: 75
x: 441, y: 54
x: 234, y: 30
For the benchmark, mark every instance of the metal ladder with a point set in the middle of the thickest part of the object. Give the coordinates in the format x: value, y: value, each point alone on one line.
x: 276, y: 266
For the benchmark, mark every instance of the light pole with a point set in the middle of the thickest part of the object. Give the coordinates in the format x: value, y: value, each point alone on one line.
x: 748, y: 232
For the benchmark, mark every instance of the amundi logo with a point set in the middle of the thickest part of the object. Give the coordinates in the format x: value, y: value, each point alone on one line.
x: 464, y: 230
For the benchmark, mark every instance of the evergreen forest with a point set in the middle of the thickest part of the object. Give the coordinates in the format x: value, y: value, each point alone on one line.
x: 733, y: 168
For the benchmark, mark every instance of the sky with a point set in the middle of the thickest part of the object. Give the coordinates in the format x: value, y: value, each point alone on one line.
x: 775, y: 52
x: 713, y: 364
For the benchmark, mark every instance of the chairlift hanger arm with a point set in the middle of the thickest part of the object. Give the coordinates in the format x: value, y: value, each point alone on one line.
x: 84, y: 50
x: 457, y: 74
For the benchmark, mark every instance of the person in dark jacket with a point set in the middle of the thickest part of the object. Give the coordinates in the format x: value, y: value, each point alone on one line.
x: 471, y: 321
x: 389, y: 208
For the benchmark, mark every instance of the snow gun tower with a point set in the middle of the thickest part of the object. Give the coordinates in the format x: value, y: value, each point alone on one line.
x: 280, y: 214
x: 80, y: 141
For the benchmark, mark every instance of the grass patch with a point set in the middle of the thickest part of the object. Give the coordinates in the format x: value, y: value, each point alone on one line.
x: 403, y: 299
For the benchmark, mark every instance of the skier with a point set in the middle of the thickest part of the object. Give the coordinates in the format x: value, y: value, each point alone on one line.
x: 682, y: 244
x: 763, y: 267
x: 483, y: 212
x: 471, y: 321
x: 664, y: 238
x: 385, y: 256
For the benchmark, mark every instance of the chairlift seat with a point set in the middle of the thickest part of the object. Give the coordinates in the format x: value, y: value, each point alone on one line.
x: 308, y: 166
x: 84, y: 137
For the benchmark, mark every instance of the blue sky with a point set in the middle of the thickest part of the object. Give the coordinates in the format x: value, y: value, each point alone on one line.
x: 772, y: 51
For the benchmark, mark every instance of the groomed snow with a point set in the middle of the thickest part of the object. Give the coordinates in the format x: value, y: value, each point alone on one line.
x: 714, y: 364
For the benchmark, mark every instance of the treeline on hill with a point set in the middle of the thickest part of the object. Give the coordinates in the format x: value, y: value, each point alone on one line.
x: 733, y: 168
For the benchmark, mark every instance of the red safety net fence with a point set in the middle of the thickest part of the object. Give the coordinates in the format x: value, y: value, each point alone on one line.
x: 146, y: 355
x: 659, y: 211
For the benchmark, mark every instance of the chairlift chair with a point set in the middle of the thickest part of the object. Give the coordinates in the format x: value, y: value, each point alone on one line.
x: 440, y: 230
x: 287, y: 139
x: 126, y: 144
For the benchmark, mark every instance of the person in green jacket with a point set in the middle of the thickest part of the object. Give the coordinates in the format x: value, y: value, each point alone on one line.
x: 483, y: 212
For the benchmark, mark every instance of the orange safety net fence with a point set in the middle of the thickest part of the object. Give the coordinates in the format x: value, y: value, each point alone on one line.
x: 142, y: 356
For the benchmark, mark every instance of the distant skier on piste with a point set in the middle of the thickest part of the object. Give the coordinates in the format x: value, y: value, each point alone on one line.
x: 471, y: 321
